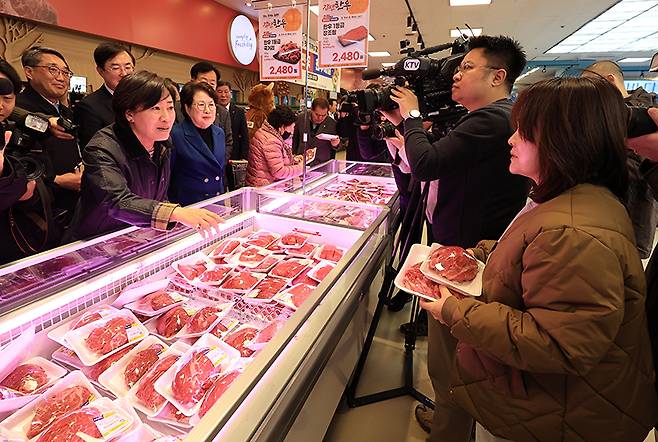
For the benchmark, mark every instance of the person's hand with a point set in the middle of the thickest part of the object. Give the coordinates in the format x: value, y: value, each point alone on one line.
x: 406, y: 99
x: 393, y: 116
x: 201, y: 220
x: 70, y: 180
x: 335, y: 142
x: 298, y: 159
x: 435, y: 308
x: 56, y: 130
x: 647, y: 145
x: 29, y: 192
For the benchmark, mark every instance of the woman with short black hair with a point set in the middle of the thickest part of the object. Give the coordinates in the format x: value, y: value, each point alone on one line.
x: 127, y: 172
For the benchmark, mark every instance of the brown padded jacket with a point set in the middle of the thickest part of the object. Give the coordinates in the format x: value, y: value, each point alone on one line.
x: 557, y: 347
x: 270, y: 158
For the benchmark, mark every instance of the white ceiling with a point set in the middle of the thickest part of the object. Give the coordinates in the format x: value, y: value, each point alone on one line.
x: 536, y: 24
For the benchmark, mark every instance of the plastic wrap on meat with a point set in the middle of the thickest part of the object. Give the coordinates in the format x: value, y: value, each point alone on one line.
x: 226, y: 247
x: 99, y: 368
x: 323, y: 271
x: 215, y: 275
x: 141, y: 363
x: 87, y: 318
x: 288, y: 269
x: 261, y: 239
x: 110, y: 336
x: 267, y: 333
x: 303, y: 278
x: 306, y: 250
x: 203, y: 319
x: 453, y: 263
x: 8, y: 393
x: 266, y: 265
x: 158, y: 300
x: 331, y: 253
x: 240, y: 338
x: 300, y: 293
x: 192, y: 380
x: 172, y: 322
x: 242, y: 281
x: 269, y: 287
x: 67, y: 428
x: 252, y: 255
x: 57, y: 405
x: 146, y: 392
x: 191, y: 271
x: 293, y: 239
x: 220, y: 328
x: 217, y: 390
x: 415, y: 280
x: 26, y: 378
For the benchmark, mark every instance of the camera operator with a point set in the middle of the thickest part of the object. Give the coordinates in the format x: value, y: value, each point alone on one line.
x: 477, y: 195
x: 48, y: 77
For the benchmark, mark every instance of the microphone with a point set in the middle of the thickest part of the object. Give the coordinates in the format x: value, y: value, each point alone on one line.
x: 371, y: 74
x: 23, y: 118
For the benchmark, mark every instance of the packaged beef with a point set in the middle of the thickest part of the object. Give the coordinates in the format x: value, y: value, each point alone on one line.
x: 321, y: 270
x: 95, y: 371
x: 414, y: 280
x: 8, y: 393
x: 250, y: 257
x: 158, y: 300
x: 203, y: 319
x: 217, y: 390
x: 305, y: 251
x: 145, y: 392
x: 267, y: 264
x: 109, y: 337
x: 193, y: 266
x: 330, y: 253
x: 293, y: 240
x: 262, y: 238
x: 26, y: 378
x: 156, y: 303
x: 140, y: 364
x: 303, y: 278
x: 172, y: 321
x: 225, y: 248
x: 266, y: 290
x: 215, y: 275
x: 290, y: 268
x: 265, y: 335
x: 56, y: 406
x: 295, y: 296
x: 191, y: 381
x: 224, y: 326
x: 240, y: 339
x: 453, y: 264
x: 242, y: 282
x: 68, y: 427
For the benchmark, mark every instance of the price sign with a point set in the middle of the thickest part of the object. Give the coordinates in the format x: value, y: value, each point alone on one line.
x: 280, y: 40
x: 343, y: 33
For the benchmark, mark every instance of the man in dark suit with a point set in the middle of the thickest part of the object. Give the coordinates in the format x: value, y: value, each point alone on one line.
x: 239, y: 127
x: 314, y: 123
x: 48, y: 77
x: 113, y: 62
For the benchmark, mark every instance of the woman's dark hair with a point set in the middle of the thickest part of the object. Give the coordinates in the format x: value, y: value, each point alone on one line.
x: 8, y: 71
x: 139, y: 91
x: 281, y: 116
x: 187, y: 94
x: 579, y: 128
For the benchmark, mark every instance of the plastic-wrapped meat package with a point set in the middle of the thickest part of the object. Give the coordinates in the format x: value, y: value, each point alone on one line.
x: 242, y: 281
x: 158, y: 300
x: 454, y: 264
x: 192, y: 271
x: 203, y: 319
x: 250, y: 257
x: 415, y: 280
x: 141, y: 363
x: 57, y: 405
x: 225, y: 248
x: 224, y: 326
x: 109, y: 337
x: 87, y: 318
x: 267, y: 264
x: 321, y: 271
x: 268, y: 287
x: 99, y: 368
x: 305, y: 251
x: 266, y: 334
x: 217, y: 390
x: 26, y: 378
x: 330, y: 253
x: 145, y: 390
x: 70, y: 263
x: 294, y: 239
x: 289, y: 269
x: 68, y: 428
x: 8, y: 393
x: 215, y: 275
x: 192, y: 380
x: 172, y: 322
x: 275, y: 247
x: 240, y: 338
x: 303, y: 278
x: 261, y: 239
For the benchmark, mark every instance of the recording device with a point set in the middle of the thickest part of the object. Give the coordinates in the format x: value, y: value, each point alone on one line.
x: 69, y: 126
x: 384, y: 129
x: 639, y: 122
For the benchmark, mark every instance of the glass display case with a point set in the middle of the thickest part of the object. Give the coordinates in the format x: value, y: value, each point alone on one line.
x: 281, y: 320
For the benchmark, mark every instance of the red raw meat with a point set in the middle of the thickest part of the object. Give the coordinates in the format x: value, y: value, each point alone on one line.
x: 266, y: 334
x: 169, y: 412
x: 172, y: 322
x: 140, y: 364
x: 26, y: 378
x: 300, y: 293
x: 269, y: 287
x: 240, y: 338
x: 226, y: 247
x: 261, y: 239
x: 252, y: 255
x: 415, y: 280
x: 220, y: 329
x: 203, y: 319
x: 454, y: 264
x: 266, y: 264
x: 191, y: 271
x: 110, y: 336
x: 288, y: 269
x: 215, y: 275
x: 146, y: 391
x: 323, y: 271
x: 331, y: 253
x: 274, y: 247
x: 192, y: 380
x: 217, y: 390
x: 66, y: 429
x: 304, y: 278
x: 57, y: 405
x: 243, y: 281
x: 305, y: 250
x: 99, y: 368
x: 86, y: 318
x: 294, y: 239
x: 7, y: 393
x: 158, y: 300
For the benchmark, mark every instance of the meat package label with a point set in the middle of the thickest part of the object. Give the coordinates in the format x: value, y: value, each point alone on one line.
x: 343, y: 33
x: 216, y: 355
x: 280, y: 42
x: 110, y: 423
x: 134, y: 333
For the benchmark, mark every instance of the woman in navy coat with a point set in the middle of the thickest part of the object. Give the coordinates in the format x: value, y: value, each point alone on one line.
x: 198, y: 157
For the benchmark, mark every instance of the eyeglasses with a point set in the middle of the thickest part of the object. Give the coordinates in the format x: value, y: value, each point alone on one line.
x: 116, y: 68
x: 463, y: 68
x: 203, y: 106
x: 55, y: 71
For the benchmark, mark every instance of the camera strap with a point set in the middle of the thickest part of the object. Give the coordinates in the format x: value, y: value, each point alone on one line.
x: 41, y: 219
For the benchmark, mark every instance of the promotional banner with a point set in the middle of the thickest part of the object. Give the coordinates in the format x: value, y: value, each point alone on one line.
x: 343, y: 33
x: 319, y: 78
x: 280, y: 43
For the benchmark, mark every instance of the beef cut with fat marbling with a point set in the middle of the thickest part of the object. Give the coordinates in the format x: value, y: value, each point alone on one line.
x: 26, y: 378
x: 110, y: 336
x: 454, y: 264
x: 57, y: 405
x: 141, y: 363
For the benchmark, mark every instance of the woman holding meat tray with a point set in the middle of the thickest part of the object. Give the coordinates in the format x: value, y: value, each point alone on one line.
x: 557, y: 346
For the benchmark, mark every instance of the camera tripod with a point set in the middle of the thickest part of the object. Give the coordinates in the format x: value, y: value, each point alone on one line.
x: 410, y: 232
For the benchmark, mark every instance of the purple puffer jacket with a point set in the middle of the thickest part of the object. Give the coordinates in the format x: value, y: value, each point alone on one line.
x: 270, y: 159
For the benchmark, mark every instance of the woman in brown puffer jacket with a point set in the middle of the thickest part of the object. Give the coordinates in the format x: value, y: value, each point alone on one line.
x: 270, y: 156
x: 557, y: 347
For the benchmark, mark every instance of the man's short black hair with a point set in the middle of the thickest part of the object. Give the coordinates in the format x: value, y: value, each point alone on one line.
x: 8, y: 71
x: 201, y: 68
x: 502, y: 52
x: 139, y: 91
x: 107, y: 50
x: 32, y: 56
x: 281, y: 116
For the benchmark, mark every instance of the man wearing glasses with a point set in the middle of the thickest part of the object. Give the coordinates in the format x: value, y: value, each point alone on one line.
x: 321, y: 130
x: 113, y: 62
x: 48, y: 77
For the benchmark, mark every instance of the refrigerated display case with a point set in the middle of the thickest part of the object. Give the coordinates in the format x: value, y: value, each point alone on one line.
x: 290, y: 387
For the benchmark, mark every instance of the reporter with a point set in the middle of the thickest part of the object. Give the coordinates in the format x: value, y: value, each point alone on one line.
x: 127, y: 168
x: 557, y: 347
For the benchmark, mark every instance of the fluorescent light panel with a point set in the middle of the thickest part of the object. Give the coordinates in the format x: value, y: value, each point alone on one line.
x: 634, y: 60
x: 388, y: 65
x: 469, y: 2
x: 628, y: 26
x: 454, y: 33
x: 379, y: 54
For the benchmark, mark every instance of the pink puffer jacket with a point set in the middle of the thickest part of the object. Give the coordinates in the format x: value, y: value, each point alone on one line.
x: 270, y: 159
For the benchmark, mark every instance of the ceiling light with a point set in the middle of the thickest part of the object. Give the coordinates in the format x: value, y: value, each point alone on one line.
x: 469, y: 2
x: 315, y: 9
x: 388, y: 65
x: 634, y: 60
x: 379, y: 54
x: 456, y: 33
x: 370, y: 37
x: 530, y: 72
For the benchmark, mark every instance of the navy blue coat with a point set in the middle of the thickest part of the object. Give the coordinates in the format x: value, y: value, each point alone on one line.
x: 197, y: 173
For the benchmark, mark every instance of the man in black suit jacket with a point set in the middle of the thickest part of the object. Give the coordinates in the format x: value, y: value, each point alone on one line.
x: 314, y: 123
x: 113, y: 62
x: 48, y: 76
x: 239, y: 127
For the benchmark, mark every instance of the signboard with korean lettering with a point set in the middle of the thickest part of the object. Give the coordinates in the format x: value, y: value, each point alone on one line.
x: 280, y: 40
x: 343, y: 33
x: 318, y: 78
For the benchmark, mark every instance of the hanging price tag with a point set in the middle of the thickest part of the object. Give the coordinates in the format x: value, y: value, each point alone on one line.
x: 280, y: 40
x: 343, y: 33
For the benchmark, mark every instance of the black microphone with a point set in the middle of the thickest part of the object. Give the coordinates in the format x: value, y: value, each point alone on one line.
x: 371, y: 74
